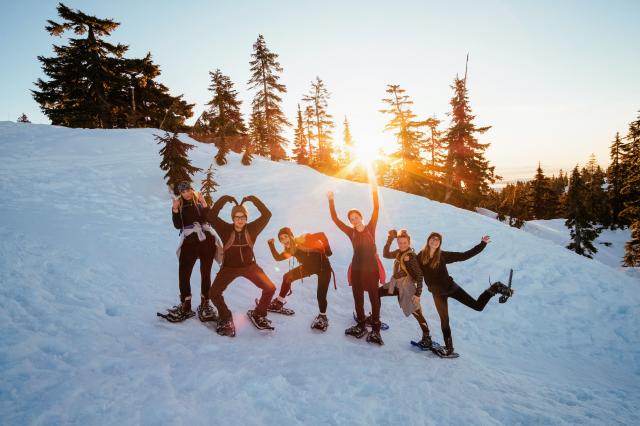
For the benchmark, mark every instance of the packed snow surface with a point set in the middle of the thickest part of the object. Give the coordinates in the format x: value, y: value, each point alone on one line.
x: 87, y: 257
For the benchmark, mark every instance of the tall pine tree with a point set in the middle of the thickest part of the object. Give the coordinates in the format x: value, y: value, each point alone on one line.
x: 317, y: 99
x: 265, y: 76
x: 175, y: 159
x: 538, y: 195
x: 300, y: 141
x: 410, y: 169
x: 223, y: 120
x: 467, y: 172
x: 631, y: 193
x: 615, y: 178
x: 582, y: 227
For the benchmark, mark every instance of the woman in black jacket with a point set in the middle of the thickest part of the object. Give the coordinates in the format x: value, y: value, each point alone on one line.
x: 433, y: 262
x: 197, y: 241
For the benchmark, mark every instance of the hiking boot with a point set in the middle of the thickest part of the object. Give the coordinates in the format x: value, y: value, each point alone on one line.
x: 356, y: 331
x: 206, y: 312
x: 374, y: 337
x: 226, y: 327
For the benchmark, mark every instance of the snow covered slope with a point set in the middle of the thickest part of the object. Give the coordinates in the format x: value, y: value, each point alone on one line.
x: 87, y: 256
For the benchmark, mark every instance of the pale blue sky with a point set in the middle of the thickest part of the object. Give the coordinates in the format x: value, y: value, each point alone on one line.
x: 555, y: 79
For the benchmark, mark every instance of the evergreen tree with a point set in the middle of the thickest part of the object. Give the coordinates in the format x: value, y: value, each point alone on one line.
x: 435, y: 148
x: 308, y: 124
x: 410, y: 169
x: 513, y: 207
x: 323, y: 122
x: 347, y: 140
x: 582, y: 229
x: 615, y: 178
x: 539, y: 195
x: 266, y: 70
x: 258, y: 134
x: 300, y: 141
x: 596, y: 197
x: 175, y: 159
x: 631, y: 193
x: 90, y: 83
x: 209, y: 185
x: 467, y: 172
x: 23, y: 118
x: 223, y: 119
x: 556, y: 192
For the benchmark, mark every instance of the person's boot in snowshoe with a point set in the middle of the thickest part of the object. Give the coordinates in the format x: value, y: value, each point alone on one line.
x: 374, y: 335
x: 226, y: 327
x: 277, y: 306
x: 357, y: 330
x: 425, y: 342
x: 206, y: 312
x: 179, y: 312
x: 447, y: 350
x: 260, y: 321
x: 321, y: 322
x: 503, y: 290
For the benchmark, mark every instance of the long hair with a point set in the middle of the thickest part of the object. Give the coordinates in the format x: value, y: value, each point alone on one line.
x: 197, y: 198
x: 292, y: 240
x: 425, y: 258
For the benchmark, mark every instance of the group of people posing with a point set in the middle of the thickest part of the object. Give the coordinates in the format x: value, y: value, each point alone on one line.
x: 198, y: 224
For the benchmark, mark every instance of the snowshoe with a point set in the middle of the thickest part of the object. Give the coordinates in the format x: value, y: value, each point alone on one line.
x: 261, y: 322
x: 179, y: 312
x: 206, y: 312
x: 505, y: 290
x: 321, y: 322
x: 278, y: 307
x: 367, y: 321
x: 176, y: 315
x: 226, y: 328
x: 425, y: 343
x: 356, y: 331
x: 374, y: 337
x: 444, y: 351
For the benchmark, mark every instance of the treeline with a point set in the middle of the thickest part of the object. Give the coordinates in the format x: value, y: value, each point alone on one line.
x: 589, y: 198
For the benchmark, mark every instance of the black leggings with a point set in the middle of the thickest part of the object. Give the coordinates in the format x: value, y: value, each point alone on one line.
x: 362, y: 281
x: 324, y: 278
x: 422, y: 321
x: 442, y: 306
x: 189, y: 253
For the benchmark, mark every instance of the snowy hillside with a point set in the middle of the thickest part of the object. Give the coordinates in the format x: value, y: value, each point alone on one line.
x: 87, y: 256
x: 610, y: 243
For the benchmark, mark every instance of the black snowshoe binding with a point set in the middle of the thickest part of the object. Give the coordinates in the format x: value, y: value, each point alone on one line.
x: 179, y: 312
x: 261, y: 322
x: 505, y: 291
x: 206, y: 312
x: 356, y: 331
x: 321, y: 322
x: 445, y: 351
x: 226, y: 328
x: 278, y: 307
x: 374, y: 337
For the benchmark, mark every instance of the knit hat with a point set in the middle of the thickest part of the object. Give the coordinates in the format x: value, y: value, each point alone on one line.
x: 183, y: 186
x: 239, y: 209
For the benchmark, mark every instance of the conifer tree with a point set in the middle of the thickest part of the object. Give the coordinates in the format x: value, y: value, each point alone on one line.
x: 265, y: 76
x: 631, y: 193
x: 615, y: 179
x: 223, y: 119
x: 538, y: 196
x: 582, y: 228
x: 209, y: 185
x: 467, y: 172
x: 410, y: 169
x: 175, y: 159
x: 23, y: 118
x: 300, y: 141
x: 317, y: 99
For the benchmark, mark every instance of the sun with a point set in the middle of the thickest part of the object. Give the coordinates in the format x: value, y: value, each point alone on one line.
x: 366, y: 154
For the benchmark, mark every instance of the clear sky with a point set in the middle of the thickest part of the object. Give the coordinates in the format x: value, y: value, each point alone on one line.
x: 555, y: 79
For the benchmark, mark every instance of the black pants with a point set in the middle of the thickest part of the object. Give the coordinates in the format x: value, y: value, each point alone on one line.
x: 422, y: 321
x: 253, y: 273
x: 442, y: 306
x: 189, y: 253
x: 362, y: 281
x: 324, y: 278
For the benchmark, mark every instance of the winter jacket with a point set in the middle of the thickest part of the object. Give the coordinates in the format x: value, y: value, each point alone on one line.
x: 438, y: 280
x: 240, y: 253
